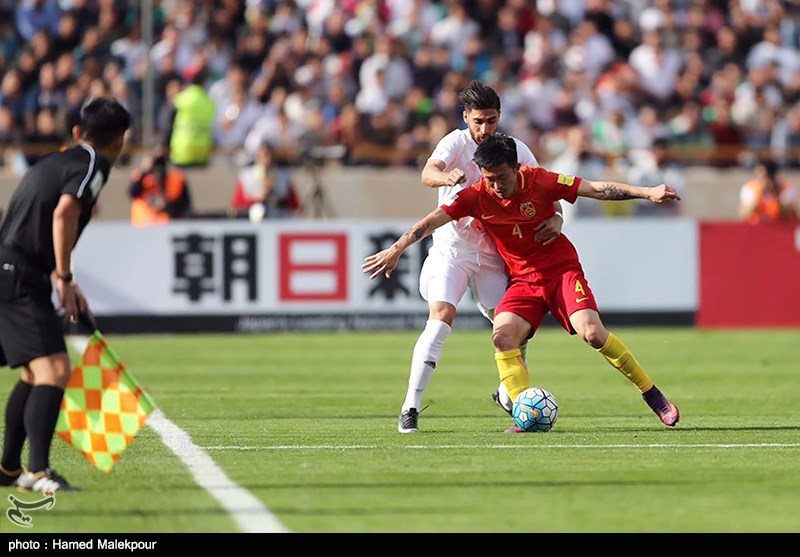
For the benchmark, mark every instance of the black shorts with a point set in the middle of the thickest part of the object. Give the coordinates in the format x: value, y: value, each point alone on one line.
x: 29, y: 326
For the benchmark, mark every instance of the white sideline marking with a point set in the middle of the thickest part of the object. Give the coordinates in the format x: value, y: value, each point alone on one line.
x: 537, y: 446
x: 249, y: 513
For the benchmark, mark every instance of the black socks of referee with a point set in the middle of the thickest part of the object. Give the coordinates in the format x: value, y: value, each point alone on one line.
x: 41, y: 415
x: 14, y: 437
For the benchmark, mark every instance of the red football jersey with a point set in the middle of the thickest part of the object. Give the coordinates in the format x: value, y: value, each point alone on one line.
x: 512, y: 222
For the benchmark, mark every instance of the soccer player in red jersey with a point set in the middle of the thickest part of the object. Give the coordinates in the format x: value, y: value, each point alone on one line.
x: 510, y: 202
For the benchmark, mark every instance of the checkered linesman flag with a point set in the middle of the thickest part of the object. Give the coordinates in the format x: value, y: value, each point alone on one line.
x: 103, y: 407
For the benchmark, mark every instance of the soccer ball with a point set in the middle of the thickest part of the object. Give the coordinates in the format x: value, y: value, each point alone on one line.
x: 535, y: 410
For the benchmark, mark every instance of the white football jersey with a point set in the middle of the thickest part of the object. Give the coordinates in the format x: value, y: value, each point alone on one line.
x: 456, y: 150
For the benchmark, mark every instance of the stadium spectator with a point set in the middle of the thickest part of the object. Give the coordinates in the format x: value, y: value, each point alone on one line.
x: 190, y: 136
x: 34, y: 15
x: 608, y: 66
x: 12, y: 95
x: 578, y: 159
x: 657, y: 64
x: 264, y: 189
x: 68, y: 35
x: 130, y: 49
x: 388, y: 65
x: 172, y: 45
x: 454, y: 31
x: 728, y: 136
x: 27, y: 67
x: 44, y: 95
x: 70, y: 112
x: 8, y: 40
x: 235, y: 79
x: 652, y: 167
x: 9, y: 133
x: 785, y: 140
x: 543, y: 277
x: 641, y: 132
x: 12, y: 160
x: 768, y: 197
x: 726, y: 51
x: 44, y: 219
x: 235, y: 114
x: 65, y: 70
x: 771, y: 51
x: 158, y: 193
x: 45, y: 139
x: 275, y: 127
x: 689, y: 135
x: 92, y: 48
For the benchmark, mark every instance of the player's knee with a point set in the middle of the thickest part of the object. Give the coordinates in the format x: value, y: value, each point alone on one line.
x: 444, y: 312
x: 504, y: 339
x: 594, y: 336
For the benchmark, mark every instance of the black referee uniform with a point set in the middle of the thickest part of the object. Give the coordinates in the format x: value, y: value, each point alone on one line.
x: 46, y: 215
x: 29, y: 326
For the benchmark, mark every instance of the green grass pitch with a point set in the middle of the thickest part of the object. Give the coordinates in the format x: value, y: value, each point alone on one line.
x: 307, y: 424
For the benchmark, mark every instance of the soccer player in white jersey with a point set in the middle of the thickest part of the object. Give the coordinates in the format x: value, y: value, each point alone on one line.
x: 461, y: 256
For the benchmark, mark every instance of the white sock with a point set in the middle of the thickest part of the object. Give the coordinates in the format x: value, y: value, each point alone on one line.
x: 426, y: 355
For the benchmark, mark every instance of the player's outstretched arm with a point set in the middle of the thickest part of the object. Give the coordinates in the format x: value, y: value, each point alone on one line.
x: 386, y: 261
x: 434, y: 175
x: 616, y: 191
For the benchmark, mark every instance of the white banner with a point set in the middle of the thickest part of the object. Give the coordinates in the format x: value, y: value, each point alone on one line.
x: 642, y: 265
x: 313, y: 267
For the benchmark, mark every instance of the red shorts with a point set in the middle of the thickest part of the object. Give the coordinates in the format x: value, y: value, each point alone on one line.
x: 562, y: 291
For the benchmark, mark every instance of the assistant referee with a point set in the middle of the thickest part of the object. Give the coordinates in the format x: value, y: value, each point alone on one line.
x: 45, y: 217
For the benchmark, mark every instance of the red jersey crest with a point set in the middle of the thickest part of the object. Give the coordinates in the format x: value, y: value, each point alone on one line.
x: 528, y: 209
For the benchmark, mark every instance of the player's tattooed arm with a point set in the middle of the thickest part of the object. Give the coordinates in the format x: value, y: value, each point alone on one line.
x: 616, y: 191
x: 385, y: 262
x: 610, y: 191
x: 422, y: 228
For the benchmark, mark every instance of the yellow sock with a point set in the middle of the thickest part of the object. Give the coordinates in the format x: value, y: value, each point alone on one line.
x: 619, y: 356
x: 513, y: 371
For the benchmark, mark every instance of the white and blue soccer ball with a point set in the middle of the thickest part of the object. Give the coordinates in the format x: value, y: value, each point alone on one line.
x: 535, y: 409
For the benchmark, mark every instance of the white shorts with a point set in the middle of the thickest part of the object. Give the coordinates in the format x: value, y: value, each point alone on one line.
x: 447, y: 278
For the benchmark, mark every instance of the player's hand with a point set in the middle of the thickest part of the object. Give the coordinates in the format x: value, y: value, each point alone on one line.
x: 549, y: 229
x: 383, y: 262
x: 662, y: 193
x: 456, y: 176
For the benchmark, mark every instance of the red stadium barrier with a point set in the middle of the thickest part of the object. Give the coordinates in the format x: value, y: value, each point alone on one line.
x: 749, y: 275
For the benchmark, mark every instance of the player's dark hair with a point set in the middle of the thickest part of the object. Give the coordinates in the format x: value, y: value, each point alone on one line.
x: 495, y: 150
x: 103, y: 121
x: 479, y: 96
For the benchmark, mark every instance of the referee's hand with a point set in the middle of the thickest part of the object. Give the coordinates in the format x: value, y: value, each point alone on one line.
x: 71, y: 301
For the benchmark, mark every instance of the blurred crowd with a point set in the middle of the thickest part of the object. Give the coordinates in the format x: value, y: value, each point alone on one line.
x: 626, y: 85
